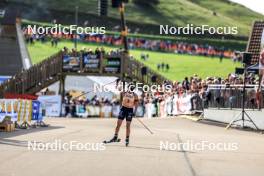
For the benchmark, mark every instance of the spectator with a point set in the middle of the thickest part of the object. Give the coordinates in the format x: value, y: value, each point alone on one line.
x: 167, y: 67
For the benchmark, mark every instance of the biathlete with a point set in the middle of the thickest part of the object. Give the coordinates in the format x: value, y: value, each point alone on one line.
x: 127, y: 111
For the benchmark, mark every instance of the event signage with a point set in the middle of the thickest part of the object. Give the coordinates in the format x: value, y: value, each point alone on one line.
x: 51, y: 104
x: 24, y: 111
x: 71, y: 63
x: 261, y: 58
x: 8, y: 108
x: 35, y: 110
x: 112, y: 65
x: 20, y: 110
x: 91, y: 61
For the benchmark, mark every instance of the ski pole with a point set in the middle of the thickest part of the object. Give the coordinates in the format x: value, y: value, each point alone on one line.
x: 145, y: 126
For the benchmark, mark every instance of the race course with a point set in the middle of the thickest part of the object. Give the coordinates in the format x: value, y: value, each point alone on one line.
x: 143, y: 157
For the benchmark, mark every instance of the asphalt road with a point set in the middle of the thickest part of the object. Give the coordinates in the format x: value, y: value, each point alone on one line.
x: 142, y: 157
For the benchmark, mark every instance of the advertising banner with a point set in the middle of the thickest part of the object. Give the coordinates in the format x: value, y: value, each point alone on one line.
x: 91, y: 61
x: 261, y: 59
x: 183, y: 105
x: 9, y: 108
x: 24, y: 110
x: 93, y: 111
x: 71, y: 63
x: 115, y: 110
x: 112, y: 65
x: 19, y: 110
x: 36, y: 110
x: 178, y: 105
x: 51, y: 104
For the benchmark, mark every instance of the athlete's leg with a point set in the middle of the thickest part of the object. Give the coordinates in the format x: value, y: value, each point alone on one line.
x: 118, y: 125
x: 128, y: 123
x: 121, y: 117
x: 129, y: 118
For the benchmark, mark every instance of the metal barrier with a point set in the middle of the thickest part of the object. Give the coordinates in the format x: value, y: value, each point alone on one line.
x: 226, y: 96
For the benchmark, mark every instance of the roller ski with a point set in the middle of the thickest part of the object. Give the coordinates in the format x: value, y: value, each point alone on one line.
x: 114, y: 139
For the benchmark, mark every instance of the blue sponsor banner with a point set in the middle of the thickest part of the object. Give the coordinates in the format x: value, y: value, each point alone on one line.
x: 71, y: 63
x: 91, y: 61
x: 36, y: 114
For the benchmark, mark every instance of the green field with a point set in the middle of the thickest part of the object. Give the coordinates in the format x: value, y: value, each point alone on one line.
x: 180, y: 65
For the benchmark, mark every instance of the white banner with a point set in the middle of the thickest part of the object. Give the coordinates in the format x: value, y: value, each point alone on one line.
x: 8, y: 107
x: 177, y: 105
x: 107, y: 111
x: 115, y: 110
x: 93, y: 110
x: 261, y: 58
x: 51, y: 104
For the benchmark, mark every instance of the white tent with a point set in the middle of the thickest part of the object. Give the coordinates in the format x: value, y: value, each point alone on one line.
x: 89, y: 83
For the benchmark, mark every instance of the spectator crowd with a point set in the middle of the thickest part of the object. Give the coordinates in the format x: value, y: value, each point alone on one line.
x: 139, y: 43
x: 189, y: 96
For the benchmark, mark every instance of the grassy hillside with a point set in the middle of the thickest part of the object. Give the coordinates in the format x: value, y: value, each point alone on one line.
x: 171, y: 12
x: 220, y: 43
x: 180, y: 65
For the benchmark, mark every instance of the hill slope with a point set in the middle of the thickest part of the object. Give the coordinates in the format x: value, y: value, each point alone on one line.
x: 180, y: 65
x: 171, y: 12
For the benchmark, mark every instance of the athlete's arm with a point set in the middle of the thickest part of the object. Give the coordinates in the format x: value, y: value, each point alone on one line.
x: 122, y: 97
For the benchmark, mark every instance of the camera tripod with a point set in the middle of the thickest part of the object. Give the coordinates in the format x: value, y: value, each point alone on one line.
x: 243, y: 113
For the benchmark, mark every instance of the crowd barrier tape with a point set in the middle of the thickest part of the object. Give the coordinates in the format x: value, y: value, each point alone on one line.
x: 20, y: 110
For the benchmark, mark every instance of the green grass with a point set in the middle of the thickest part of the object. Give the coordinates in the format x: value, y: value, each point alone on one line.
x: 170, y: 12
x: 180, y: 65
